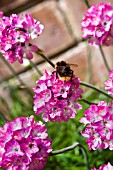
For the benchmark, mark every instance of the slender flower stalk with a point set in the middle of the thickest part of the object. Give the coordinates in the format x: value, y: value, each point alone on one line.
x: 104, y: 58
x: 71, y: 148
x: 12, y: 70
x: 35, y: 67
x: 46, y: 58
x: 15, y: 75
x: 85, y: 156
x: 87, y: 3
x: 86, y: 101
x: 95, y: 88
x: 3, y: 117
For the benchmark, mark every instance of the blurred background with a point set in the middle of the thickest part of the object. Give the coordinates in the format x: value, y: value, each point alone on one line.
x: 60, y: 40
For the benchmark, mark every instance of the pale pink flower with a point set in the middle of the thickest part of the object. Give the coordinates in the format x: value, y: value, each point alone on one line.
x: 104, y: 167
x: 55, y: 99
x: 97, y: 24
x: 98, y: 121
x: 109, y: 83
x: 15, y: 35
x: 22, y: 142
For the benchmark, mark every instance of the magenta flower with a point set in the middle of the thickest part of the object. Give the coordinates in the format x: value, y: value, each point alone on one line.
x: 97, y: 24
x: 104, y: 167
x: 55, y: 99
x: 24, y: 144
x: 98, y: 123
x: 15, y: 35
x: 109, y: 83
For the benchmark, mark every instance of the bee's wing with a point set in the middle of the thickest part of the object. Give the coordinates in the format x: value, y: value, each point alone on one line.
x: 73, y: 66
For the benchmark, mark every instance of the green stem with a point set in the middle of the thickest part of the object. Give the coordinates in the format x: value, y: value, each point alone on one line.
x: 35, y: 67
x: 46, y: 59
x: 87, y: 3
x: 71, y: 148
x: 85, y: 156
x: 89, y: 57
x: 104, y: 58
x: 12, y: 70
x: 86, y: 101
x: 95, y: 88
x: 15, y: 74
x: 3, y: 117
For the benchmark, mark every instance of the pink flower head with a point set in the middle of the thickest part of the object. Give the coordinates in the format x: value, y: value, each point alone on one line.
x: 97, y: 24
x: 98, y: 121
x: 23, y: 142
x: 15, y: 35
x: 57, y: 99
x: 109, y: 83
x: 104, y: 167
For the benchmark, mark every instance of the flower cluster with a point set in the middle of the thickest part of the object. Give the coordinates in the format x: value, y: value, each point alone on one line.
x: 99, y: 126
x: 15, y: 35
x: 104, y: 167
x: 109, y: 83
x: 97, y: 24
x: 24, y: 145
x: 56, y: 99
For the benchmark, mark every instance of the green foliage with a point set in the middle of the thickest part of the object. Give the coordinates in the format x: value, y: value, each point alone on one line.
x: 63, y: 134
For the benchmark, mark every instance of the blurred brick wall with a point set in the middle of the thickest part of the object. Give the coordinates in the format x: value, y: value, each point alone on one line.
x: 60, y: 40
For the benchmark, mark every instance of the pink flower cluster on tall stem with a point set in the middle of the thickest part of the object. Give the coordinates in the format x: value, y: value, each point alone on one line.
x: 24, y: 145
x: 55, y: 99
x: 109, y: 83
x: 97, y: 24
x: 104, y: 167
x: 98, y: 123
x: 15, y: 35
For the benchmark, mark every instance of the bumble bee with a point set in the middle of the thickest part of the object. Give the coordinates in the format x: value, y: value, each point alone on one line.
x: 64, y: 71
